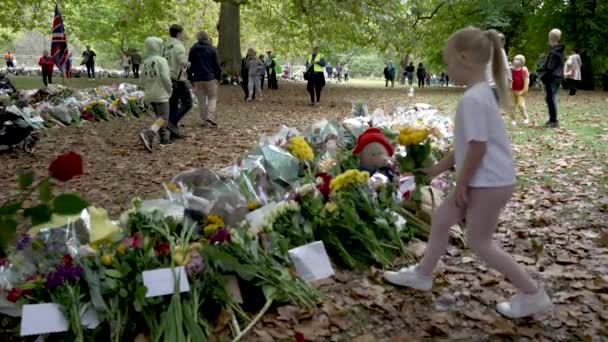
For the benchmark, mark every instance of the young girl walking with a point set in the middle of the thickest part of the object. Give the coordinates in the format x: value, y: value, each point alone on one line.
x: 485, y: 174
x: 519, y: 88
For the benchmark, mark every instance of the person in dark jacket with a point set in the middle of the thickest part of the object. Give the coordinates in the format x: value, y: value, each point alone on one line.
x: 245, y: 79
x: 204, y: 74
x: 263, y: 76
x: 552, y: 72
x: 421, y: 75
x: 409, y: 73
x: 135, y: 63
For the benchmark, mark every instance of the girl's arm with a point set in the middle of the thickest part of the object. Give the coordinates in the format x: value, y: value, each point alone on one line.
x: 442, y: 166
x: 473, y: 157
x: 526, y: 80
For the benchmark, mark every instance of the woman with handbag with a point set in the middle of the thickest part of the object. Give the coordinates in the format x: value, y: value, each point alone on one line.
x: 315, y: 65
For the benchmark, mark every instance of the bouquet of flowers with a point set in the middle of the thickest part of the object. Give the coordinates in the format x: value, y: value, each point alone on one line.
x: 96, y: 110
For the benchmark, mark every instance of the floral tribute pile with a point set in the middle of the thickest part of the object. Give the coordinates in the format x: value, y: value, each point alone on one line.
x: 225, y: 237
x: 58, y: 106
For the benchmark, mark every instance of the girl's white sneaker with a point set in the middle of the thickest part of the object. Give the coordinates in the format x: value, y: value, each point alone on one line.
x: 410, y: 277
x: 526, y: 122
x: 523, y: 305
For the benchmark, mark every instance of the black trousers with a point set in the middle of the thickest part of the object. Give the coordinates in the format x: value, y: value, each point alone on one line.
x: 91, y: 70
x: 573, y: 85
x: 315, y: 86
x: 262, y: 86
x: 47, y: 77
x: 272, y: 80
x: 136, y: 70
x: 420, y: 82
x: 180, y: 103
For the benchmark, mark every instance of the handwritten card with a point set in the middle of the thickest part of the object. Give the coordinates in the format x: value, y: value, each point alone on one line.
x: 162, y: 281
x: 42, y: 319
x: 311, y: 261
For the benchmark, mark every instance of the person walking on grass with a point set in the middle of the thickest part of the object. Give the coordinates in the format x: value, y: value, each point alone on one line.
x: 274, y: 69
x: 263, y: 75
x: 519, y: 87
x: 485, y: 172
x: 346, y: 73
x: 125, y: 62
x: 156, y: 81
x: 204, y: 74
x: 572, y: 71
x: 421, y: 75
x: 552, y: 71
x: 47, y: 65
x: 409, y: 73
x: 181, y: 100
x: 255, y: 68
x: 135, y: 63
x: 244, y: 79
x: 9, y: 58
x: 315, y: 63
x: 389, y: 74
x: 88, y: 59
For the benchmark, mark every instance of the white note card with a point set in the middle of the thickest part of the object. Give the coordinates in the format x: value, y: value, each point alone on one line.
x: 42, y: 319
x: 311, y: 261
x: 162, y: 282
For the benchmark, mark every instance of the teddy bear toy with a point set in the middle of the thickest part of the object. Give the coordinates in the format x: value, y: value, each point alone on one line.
x: 375, y: 152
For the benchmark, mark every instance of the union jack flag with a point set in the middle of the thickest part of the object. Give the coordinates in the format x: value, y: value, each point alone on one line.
x: 59, y: 44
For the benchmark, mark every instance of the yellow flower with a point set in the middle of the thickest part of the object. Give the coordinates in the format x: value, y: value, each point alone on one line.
x: 106, y: 259
x: 300, y: 149
x: 173, y: 187
x: 411, y: 136
x: 214, y: 223
x: 348, y: 178
x: 253, y: 205
x: 331, y: 207
x: 121, y: 249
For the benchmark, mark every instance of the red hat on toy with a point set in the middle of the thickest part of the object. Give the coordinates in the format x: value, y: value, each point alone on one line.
x: 373, y: 135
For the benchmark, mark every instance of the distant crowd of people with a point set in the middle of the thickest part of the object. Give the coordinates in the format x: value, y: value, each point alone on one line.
x: 424, y: 78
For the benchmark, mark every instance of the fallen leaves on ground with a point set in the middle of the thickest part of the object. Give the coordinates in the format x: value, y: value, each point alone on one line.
x: 555, y: 225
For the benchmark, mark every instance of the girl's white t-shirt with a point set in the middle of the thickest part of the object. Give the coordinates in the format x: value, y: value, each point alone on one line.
x: 478, y: 119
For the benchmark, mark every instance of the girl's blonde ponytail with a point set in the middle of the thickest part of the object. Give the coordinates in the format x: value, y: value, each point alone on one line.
x: 498, y: 69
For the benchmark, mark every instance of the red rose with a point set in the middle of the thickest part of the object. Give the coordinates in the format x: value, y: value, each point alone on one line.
x: 66, y: 167
x: 67, y: 259
x: 220, y: 235
x: 324, y: 187
x: 14, y: 294
x: 163, y: 249
x: 299, y: 337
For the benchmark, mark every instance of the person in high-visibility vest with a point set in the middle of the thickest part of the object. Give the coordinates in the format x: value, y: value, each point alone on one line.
x: 314, y: 74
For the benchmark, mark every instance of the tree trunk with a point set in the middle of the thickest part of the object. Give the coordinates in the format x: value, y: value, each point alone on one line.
x: 229, y: 35
x: 405, y: 60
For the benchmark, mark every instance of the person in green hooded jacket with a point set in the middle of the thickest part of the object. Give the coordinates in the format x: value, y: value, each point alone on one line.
x: 274, y: 69
x: 156, y: 79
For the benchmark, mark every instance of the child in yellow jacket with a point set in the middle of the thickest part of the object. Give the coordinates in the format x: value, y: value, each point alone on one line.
x: 519, y: 87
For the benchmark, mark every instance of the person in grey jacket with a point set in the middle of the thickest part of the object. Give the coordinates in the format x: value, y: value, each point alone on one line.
x: 255, y: 68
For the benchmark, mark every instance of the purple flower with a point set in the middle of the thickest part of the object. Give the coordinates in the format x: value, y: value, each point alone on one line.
x: 220, y: 235
x: 63, y: 274
x: 196, y: 264
x: 24, y: 242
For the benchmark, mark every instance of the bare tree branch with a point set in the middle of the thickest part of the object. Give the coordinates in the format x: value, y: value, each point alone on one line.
x: 430, y: 16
